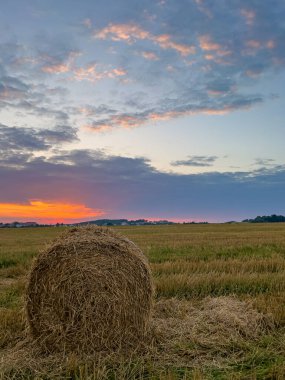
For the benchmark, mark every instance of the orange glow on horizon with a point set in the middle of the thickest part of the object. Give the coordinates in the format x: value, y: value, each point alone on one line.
x: 47, y: 211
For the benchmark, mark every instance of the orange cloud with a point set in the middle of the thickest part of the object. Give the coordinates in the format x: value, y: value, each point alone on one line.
x: 98, y: 128
x: 52, y: 67
x: 56, y: 69
x: 149, y: 55
x: 117, y: 73
x: 207, y: 44
x: 91, y: 73
x: 214, y: 51
x: 165, y: 42
x: 47, y: 212
x: 131, y: 32
x: 125, y: 32
x: 132, y: 121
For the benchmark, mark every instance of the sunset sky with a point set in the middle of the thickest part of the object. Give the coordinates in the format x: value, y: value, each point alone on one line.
x: 156, y: 109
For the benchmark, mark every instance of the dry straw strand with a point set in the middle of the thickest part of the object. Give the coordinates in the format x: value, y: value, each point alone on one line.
x: 91, y: 290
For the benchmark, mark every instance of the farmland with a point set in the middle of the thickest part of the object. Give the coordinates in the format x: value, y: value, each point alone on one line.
x: 243, y: 262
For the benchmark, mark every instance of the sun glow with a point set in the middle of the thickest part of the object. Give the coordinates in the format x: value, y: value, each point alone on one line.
x: 47, y: 211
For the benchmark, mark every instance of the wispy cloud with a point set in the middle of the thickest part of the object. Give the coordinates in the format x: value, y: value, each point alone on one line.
x: 214, y: 51
x: 150, y: 55
x: 58, y: 64
x: 265, y: 162
x: 196, y: 161
x: 173, y: 110
x: 132, y: 32
x: 93, y: 73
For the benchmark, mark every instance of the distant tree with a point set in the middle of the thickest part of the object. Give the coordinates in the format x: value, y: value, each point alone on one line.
x: 266, y: 219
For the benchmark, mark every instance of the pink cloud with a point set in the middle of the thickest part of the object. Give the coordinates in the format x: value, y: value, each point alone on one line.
x: 253, y: 45
x: 149, y: 55
x: 117, y: 73
x: 56, y: 69
x: 133, y: 121
x: 92, y: 73
x: 165, y: 42
x: 213, y: 50
x: 125, y: 32
x: 50, y: 66
x: 131, y: 32
x: 206, y: 43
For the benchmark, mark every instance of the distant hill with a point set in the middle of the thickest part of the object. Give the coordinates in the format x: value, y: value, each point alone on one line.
x: 123, y: 222
x: 266, y: 219
x: 105, y: 222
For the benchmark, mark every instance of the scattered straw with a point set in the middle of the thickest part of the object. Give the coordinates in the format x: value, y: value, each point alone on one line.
x: 212, y: 333
x: 217, y: 326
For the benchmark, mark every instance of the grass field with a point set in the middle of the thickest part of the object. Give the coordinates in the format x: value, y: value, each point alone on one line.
x: 189, y: 262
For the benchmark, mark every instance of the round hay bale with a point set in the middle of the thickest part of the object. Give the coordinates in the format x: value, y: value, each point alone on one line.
x: 90, y: 290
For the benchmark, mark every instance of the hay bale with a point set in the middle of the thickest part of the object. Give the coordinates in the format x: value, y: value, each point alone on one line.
x: 90, y: 290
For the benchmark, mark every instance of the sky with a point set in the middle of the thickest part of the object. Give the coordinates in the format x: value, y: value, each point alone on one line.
x: 156, y: 109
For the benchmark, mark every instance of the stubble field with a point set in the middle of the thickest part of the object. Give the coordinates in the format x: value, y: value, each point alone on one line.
x: 220, y: 312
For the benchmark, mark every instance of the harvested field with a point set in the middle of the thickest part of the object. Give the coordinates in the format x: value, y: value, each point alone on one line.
x: 219, y: 310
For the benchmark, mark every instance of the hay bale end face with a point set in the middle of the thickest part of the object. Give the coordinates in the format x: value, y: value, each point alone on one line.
x: 91, y: 290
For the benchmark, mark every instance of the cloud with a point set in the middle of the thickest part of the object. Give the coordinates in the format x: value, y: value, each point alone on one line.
x: 18, y: 93
x: 206, y: 43
x: 18, y: 141
x: 221, y: 86
x: 196, y: 161
x: 122, y: 32
x: 232, y: 47
x: 198, y: 58
x: 12, y: 88
x: 93, y: 73
x: 56, y: 56
x: 169, y: 109
x: 131, y: 187
x: 149, y: 55
x: 65, y: 63
x: 265, y: 162
x: 131, y: 32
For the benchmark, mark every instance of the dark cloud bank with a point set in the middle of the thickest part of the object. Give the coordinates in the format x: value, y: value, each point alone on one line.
x: 131, y: 187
